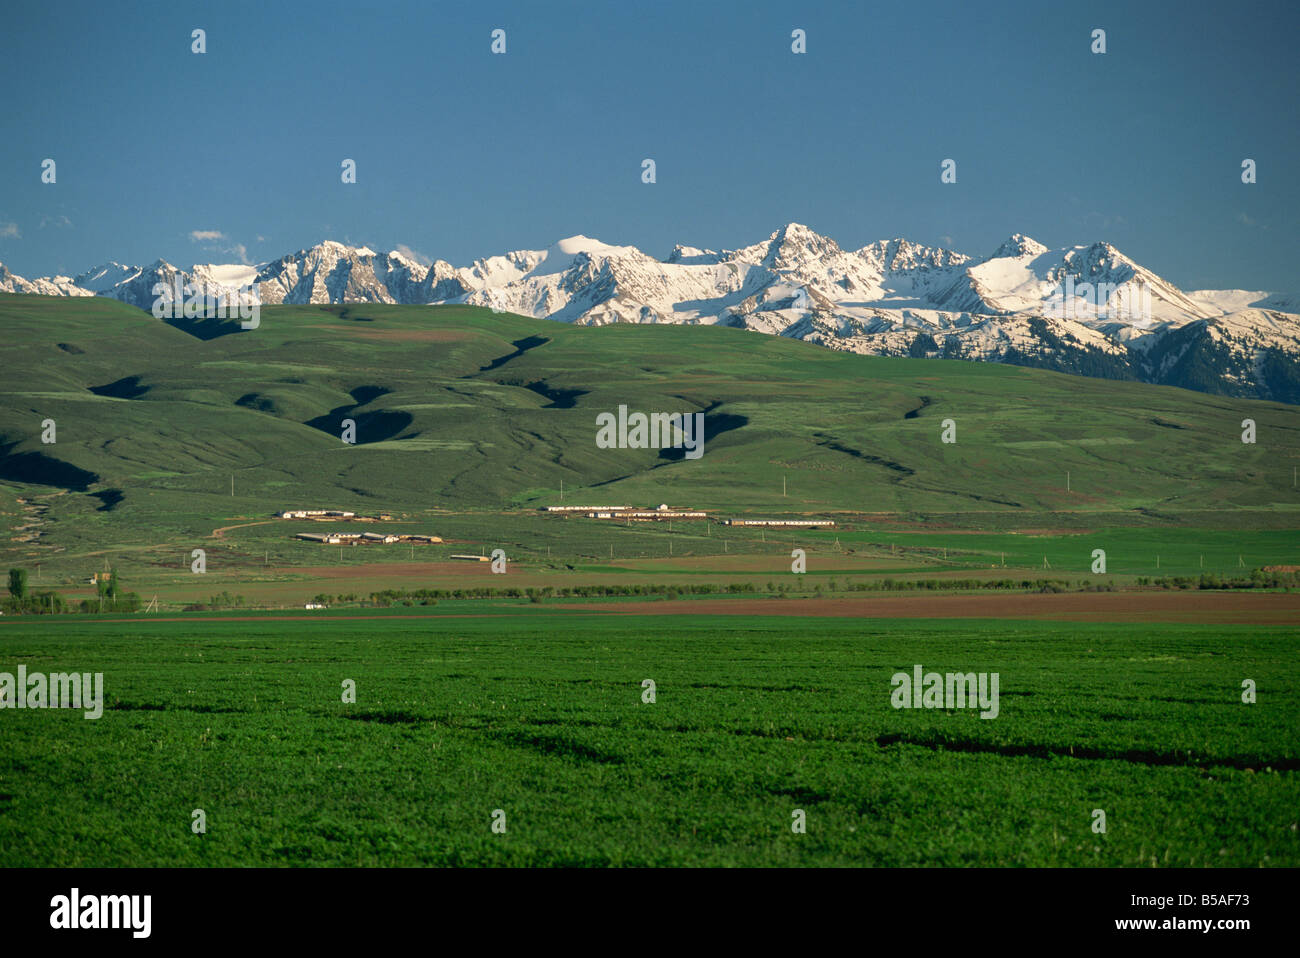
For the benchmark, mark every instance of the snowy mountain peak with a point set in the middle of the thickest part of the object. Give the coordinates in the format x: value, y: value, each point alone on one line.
x: 1017, y: 245
x: 565, y: 253
x: 573, y: 245
x: 693, y: 256
x: 795, y: 233
x: 902, y: 254
x: 398, y: 256
x: 795, y: 244
x: 105, y: 277
x: 1081, y: 308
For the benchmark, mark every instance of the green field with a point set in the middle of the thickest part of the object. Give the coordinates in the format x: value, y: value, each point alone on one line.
x: 541, y: 716
x: 171, y: 440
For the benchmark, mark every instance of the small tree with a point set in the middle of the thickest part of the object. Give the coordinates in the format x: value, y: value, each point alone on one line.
x: 18, y: 583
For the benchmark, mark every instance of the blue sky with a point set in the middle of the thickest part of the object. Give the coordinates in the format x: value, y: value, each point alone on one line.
x: 461, y: 153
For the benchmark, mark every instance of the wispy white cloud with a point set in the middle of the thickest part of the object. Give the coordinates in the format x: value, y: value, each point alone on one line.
x: 209, y: 237
x: 414, y: 254
x: 10, y: 231
x: 59, y: 220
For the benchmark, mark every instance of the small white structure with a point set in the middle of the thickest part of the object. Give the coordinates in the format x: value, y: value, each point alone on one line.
x: 328, y: 539
x: 789, y: 523
x: 585, y: 508
x: 657, y: 514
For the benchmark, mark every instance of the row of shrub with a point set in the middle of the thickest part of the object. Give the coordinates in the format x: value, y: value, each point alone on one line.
x: 217, y: 603
x: 389, y: 597
x: 907, y: 585
x: 1258, y: 579
x: 109, y: 599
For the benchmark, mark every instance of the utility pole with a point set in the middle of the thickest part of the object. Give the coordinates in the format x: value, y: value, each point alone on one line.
x: 1067, y: 480
x: 561, y: 490
x: 783, y: 485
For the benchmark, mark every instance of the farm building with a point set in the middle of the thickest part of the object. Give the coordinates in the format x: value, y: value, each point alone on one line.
x: 364, y: 538
x: 786, y: 523
x: 656, y: 514
x: 585, y: 508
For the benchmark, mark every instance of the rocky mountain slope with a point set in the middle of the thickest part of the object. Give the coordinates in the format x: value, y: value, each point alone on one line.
x: 1089, y: 310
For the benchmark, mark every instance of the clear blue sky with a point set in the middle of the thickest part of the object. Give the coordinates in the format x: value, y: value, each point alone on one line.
x: 462, y: 154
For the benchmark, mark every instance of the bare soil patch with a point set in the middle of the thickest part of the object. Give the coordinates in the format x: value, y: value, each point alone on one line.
x: 404, y: 570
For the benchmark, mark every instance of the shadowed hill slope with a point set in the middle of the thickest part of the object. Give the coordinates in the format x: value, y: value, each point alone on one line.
x: 461, y: 407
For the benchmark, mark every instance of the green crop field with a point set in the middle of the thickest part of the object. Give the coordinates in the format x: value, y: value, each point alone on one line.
x: 488, y: 696
x: 542, y: 718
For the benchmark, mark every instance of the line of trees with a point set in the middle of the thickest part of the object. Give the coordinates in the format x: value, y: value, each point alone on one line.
x: 217, y: 603
x: 23, y: 601
x: 1258, y: 579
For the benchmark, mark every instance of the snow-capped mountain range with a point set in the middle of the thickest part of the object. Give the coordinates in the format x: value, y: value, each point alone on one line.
x: 1084, y: 309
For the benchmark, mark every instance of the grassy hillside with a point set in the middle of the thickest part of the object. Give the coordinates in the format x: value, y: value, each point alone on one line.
x: 460, y: 406
x: 467, y: 421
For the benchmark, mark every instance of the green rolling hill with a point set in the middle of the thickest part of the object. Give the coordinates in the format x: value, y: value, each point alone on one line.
x: 460, y: 410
